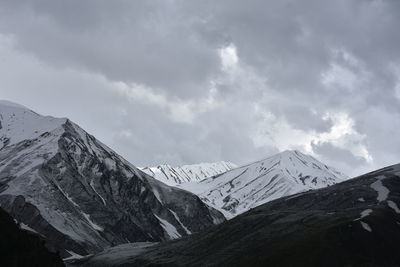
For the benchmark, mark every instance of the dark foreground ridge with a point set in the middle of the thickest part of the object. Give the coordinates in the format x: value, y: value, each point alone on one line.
x: 354, y: 223
x: 21, y: 248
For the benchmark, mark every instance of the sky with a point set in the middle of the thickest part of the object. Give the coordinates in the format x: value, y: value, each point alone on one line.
x: 183, y: 82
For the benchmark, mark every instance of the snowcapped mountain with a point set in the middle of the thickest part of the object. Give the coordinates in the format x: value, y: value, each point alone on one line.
x: 187, y: 173
x: 80, y: 195
x: 249, y: 186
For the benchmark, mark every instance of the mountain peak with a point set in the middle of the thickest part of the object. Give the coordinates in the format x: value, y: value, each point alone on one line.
x: 82, y: 196
x: 291, y: 153
x: 18, y: 123
x: 246, y: 187
x: 6, y: 103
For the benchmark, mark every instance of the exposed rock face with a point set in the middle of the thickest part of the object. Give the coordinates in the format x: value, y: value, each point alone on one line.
x: 353, y: 223
x: 81, y: 195
x: 249, y: 186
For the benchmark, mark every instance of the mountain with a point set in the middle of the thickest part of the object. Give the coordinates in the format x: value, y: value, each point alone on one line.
x: 187, y: 173
x: 81, y: 196
x: 19, y: 247
x: 249, y: 186
x: 353, y: 223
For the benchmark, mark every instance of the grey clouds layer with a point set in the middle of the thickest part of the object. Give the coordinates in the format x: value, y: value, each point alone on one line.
x: 182, y: 82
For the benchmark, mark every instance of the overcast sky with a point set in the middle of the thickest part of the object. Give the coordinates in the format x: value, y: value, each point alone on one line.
x: 182, y: 82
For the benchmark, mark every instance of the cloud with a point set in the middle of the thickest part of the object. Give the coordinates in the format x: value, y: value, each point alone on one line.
x: 188, y: 81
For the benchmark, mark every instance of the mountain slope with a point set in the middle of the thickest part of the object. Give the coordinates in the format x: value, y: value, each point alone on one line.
x: 353, y: 223
x: 249, y: 186
x: 79, y: 194
x: 187, y: 173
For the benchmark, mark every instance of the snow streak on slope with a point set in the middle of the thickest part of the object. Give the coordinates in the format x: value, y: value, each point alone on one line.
x: 246, y: 187
x: 187, y: 173
x: 79, y: 194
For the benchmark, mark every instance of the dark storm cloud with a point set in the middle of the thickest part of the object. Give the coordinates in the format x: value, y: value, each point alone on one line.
x: 322, y: 76
x: 146, y: 42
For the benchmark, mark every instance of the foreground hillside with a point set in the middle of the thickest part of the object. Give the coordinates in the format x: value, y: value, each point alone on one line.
x: 354, y: 223
x: 249, y: 186
x: 22, y: 248
x: 82, y: 196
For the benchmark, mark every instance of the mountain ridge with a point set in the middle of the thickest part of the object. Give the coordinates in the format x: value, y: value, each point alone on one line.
x: 187, y: 173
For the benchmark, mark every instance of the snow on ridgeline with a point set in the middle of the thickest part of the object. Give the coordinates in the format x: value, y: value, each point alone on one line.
x: 187, y: 173
x: 18, y: 123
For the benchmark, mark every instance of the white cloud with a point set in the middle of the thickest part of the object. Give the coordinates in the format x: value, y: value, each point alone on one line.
x: 179, y: 110
x: 273, y: 130
x: 229, y: 57
x: 343, y: 135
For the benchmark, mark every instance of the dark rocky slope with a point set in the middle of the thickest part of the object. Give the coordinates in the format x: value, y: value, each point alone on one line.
x: 354, y: 223
x: 21, y: 248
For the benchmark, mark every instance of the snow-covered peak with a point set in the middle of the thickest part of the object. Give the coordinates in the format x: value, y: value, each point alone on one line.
x: 246, y: 187
x: 18, y: 123
x: 297, y: 163
x: 187, y: 173
x: 10, y: 104
x: 81, y: 195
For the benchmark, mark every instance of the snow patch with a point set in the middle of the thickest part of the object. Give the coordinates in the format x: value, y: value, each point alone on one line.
x: 157, y: 195
x: 92, y: 186
x: 382, y: 191
x: 393, y: 206
x: 168, y: 228
x: 366, y: 226
x: 364, y: 214
x: 95, y: 226
x: 26, y: 227
x: 73, y: 256
x: 179, y: 221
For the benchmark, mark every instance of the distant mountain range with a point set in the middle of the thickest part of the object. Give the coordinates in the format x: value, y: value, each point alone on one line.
x: 234, y: 190
x: 187, y: 173
x: 81, y: 196
x: 249, y: 186
x: 353, y: 223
